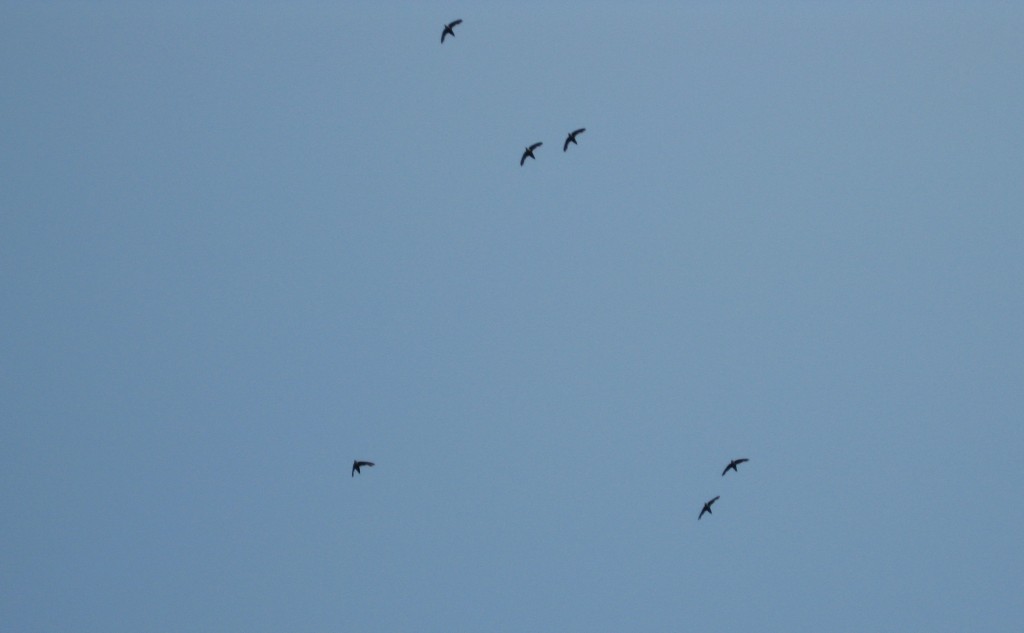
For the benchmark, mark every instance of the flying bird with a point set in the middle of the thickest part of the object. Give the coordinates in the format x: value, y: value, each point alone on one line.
x: 733, y: 464
x: 356, y: 465
x: 529, y: 152
x: 572, y: 138
x: 707, y: 508
x: 448, y: 29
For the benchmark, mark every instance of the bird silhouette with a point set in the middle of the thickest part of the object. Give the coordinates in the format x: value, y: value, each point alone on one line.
x: 356, y: 465
x: 529, y: 152
x: 572, y: 138
x: 733, y: 464
x: 448, y: 29
x: 707, y: 508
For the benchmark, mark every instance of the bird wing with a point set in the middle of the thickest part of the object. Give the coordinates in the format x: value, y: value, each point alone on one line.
x: 702, y: 511
x: 567, y: 139
x: 523, y: 159
x: 443, y: 33
x: 726, y: 469
x: 579, y: 131
x: 741, y: 460
x: 535, y: 146
x: 454, y: 23
x: 713, y: 501
x: 365, y: 464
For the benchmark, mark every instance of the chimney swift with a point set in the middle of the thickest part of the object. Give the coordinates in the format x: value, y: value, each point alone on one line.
x: 356, y: 465
x: 733, y: 464
x: 707, y: 508
x: 572, y: 138
x: 529, y: 152
x: 448, y: 29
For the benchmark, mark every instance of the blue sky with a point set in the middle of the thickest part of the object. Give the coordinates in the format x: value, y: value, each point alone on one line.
x: 243, y: 244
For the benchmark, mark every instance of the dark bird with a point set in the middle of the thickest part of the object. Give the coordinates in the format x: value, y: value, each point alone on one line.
x: 733, y: 464
x: 707, y: 508
x: 572, y: 138
x: 448, y: 29
x: 356, y: 465
x: 529, y: 152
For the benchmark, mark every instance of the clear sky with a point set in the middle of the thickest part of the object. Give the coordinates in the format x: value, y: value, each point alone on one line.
x: 243, y: 244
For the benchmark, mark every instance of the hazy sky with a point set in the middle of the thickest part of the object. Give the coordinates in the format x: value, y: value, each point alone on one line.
x: 243, y: 244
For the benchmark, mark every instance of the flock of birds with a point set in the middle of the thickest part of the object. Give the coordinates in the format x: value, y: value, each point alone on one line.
x: 357, y: 465
x: 732, y: 466
x: 528, y: 152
